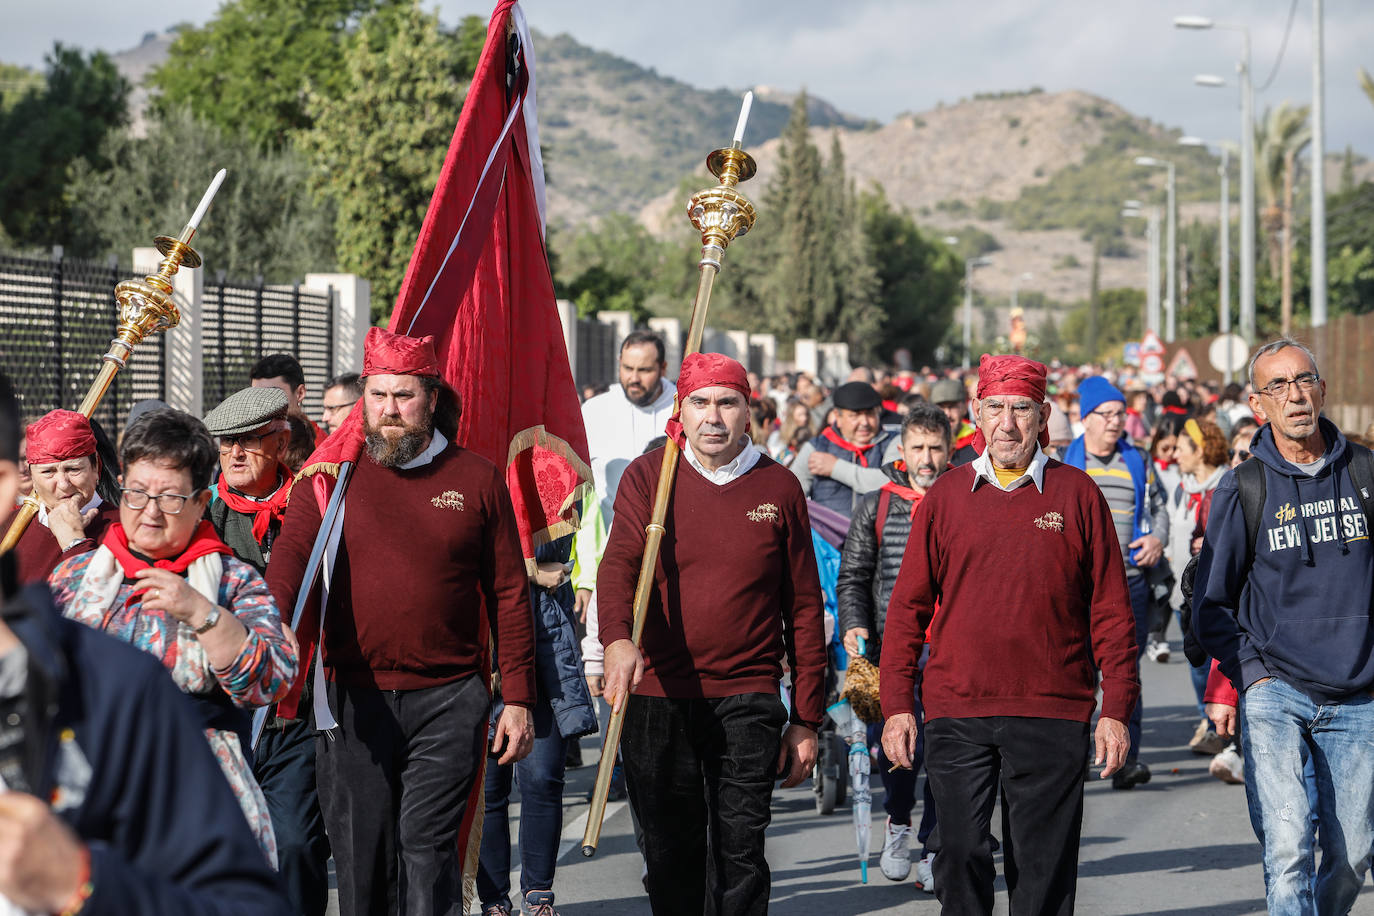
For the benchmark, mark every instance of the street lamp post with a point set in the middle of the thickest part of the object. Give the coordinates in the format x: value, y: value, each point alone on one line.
x: 1171, y: 275
x: 1247, y: 166
x: 1133, y: 211
x: 1224, y: 296
x: 970, y: 265
x: 1318, y: 170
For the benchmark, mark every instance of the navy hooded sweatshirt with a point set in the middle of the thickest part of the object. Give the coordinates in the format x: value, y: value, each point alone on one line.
x: 1302, y: 612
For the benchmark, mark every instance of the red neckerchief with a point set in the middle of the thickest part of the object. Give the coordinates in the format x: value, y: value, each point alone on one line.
x: 1177, y: 411
x: 903, y: 491
x: 203, y: 543
x: 262, y: 510
x: 1163, y: 465
x: 890, y: 405
x: 1132, y: 411
x: 848, y: 446
x: 1195, y: 502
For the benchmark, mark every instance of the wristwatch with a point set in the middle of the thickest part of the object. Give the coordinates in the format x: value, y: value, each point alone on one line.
x: 211, y: 619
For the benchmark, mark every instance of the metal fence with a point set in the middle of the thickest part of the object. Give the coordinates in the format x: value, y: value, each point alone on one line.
x: 57, y: 317
x: 597, y: 358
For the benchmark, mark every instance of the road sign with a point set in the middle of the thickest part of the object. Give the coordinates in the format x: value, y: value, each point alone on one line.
x: 1228, y: 353
x: 1152, y: 366
x: 1182, y: 366
x: 1151, y: 343
x: 1131, y: 353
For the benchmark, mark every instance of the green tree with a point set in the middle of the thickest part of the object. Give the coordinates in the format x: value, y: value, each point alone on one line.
x: 46, y: 131
x: 250, y: 69
x: 264, y: 219
x: 854, y: 314
x: 380, y: 143
x: 1120, y: 317
x: 620, y: 265
x: 15, y: 81
x: 918, y: 278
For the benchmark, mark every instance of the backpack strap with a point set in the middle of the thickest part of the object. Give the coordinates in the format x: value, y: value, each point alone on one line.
x: 1362, y: 474
x: 880, y: 519
x: 1251, y: 485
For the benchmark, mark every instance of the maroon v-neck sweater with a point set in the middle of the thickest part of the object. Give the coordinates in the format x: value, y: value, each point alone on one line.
x: 1030, y: 586
x: 736, y: 586
x: 38, y: 553
x: 428, y: 557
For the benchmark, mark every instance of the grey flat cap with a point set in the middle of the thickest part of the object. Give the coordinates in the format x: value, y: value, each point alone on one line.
x: 246, y: 410
x: 948, y: 390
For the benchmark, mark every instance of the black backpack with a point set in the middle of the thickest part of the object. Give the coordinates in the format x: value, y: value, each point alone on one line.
x: 1250, y: 484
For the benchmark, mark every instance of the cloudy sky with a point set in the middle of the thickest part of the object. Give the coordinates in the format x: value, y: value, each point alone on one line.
x: 877, y: 58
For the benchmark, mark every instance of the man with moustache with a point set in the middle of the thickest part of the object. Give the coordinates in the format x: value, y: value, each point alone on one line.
x: 1282, y: 601
x: 706, y: 733
x: 428, y: 564
x: 64, y: 469
x: 247, y: 511
x: 869, y: 563
x: 845, y: 461
x: 1019, y: 552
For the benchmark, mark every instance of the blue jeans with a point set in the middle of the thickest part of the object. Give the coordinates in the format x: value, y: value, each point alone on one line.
x: 1140, y: 607
x: 540, y: 778
x: 1283, y: 731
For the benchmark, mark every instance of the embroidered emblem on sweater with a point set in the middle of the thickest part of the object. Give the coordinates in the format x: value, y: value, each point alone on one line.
x: 449, y: 499
x: 1050, y: 521
x: 767, y: 512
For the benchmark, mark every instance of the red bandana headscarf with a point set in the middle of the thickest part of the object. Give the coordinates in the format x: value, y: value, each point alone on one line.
x: 58, y: 436
x: 385, y: 353
x: 1015, y: 376
x: 704, y: 370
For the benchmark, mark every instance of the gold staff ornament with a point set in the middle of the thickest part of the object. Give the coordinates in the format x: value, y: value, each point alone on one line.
x: 146, y: 307
x: 721, y: 214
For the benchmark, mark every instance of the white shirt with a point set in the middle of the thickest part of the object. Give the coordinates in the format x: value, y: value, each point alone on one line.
x: 1035, y: 473
x: 735, y: 469
x: 617, y: 432
x: 95, y: 502
x: 437, y: 443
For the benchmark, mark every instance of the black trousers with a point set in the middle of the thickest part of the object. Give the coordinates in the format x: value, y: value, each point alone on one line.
x: 394, y: 782
x: 1037, y: 765
x: 284, y: 765
x: 700, y: 778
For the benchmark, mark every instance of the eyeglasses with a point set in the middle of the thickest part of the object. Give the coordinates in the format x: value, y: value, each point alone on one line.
x: 247, y: 443
x: 1109, y: 416
x: 168, y: 503
x: 330, y: 407
x: 1278, y: 388
x: 1022, y: 411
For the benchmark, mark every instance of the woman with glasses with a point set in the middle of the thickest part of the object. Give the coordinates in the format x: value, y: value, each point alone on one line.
x: 162, y: 581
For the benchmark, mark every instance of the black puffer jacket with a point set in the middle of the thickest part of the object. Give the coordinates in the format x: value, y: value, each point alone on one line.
x: 868, y: 570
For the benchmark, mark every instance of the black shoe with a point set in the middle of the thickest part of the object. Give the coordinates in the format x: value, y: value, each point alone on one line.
x: 1133, y: 774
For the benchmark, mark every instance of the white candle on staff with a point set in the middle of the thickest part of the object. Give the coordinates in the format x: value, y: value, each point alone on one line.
x: 743, y: 117
x: 205, y: 201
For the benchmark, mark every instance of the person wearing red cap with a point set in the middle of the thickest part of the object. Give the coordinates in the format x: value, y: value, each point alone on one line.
x: 1020, y: 552
x: 428, y: 564
x: 64, y: 466
x: 736, y: 590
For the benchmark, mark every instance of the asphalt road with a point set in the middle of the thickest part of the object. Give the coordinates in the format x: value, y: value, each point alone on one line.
x: 1180, y: 845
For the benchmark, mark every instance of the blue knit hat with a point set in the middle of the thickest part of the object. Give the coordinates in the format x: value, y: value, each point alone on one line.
x: 1096, y: 391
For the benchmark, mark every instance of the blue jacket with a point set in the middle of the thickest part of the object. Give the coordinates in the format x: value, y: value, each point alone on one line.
x: 115, y: 744
x: 1076, y: 455
x: 1302, y: 611
x: 558, y: 668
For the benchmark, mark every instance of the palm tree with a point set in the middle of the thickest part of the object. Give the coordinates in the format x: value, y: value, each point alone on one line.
x: 1280, y: 138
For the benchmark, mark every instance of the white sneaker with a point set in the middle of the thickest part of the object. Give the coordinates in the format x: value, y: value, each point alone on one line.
x: 925, y: 878
x: 896, y: 858
x: 1228, y: 766
x: 1157, y: 651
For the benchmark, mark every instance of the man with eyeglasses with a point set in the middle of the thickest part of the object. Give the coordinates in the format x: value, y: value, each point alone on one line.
x: 1140, y: 509
x: 247, y: 511
x: 64, y: 467
x: 1020, y: 553
x: 1288, y: 618
x: 340, y: 394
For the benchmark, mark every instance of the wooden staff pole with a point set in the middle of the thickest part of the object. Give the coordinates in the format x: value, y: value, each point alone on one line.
x: 721, y: 214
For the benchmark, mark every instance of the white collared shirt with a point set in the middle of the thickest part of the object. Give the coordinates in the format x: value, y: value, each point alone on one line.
x: 1035, y: 473
x: 737, y: 468
x: 437, y: 443
x: 95, y: 503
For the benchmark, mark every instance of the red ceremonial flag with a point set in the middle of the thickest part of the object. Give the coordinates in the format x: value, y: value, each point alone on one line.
x: 479, y: 282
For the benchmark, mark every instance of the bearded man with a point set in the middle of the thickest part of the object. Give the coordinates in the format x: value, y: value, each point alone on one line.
x: 707, y: 734
x: 428, y: 564
x: 64, y: 468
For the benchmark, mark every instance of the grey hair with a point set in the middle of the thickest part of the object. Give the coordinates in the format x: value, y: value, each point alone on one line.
x: 1275, y: 346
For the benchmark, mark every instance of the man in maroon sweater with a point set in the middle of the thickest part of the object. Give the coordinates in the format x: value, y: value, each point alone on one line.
x: 1020, y: 554
x: 428, y: 564
x: 735, y: 590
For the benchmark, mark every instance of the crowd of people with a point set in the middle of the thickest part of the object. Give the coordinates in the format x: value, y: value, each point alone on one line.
x: 1015, y: 543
